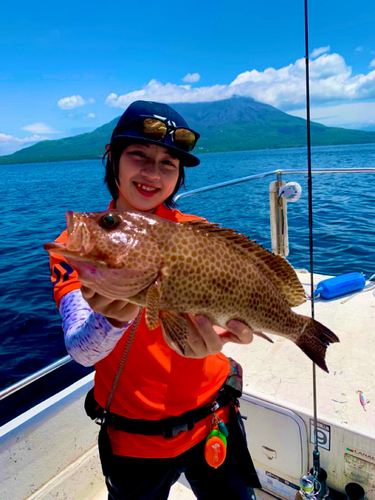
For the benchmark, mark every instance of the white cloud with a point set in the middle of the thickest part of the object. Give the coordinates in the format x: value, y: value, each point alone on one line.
x: 372, y: 64
x: 9, y: 143
x: 170, y: 92
x: 191, y: 78
x: 74, y: 101
x: 90, y: 116
x: 4, y: 138
x: 320, y: 51
x: 359, y: 48
x: 40, y: 128
x: 331, y: 81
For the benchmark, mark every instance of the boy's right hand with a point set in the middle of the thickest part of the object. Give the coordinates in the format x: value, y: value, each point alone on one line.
x: 117, y: 312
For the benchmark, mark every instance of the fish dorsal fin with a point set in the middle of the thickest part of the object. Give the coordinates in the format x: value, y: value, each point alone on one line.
x: 276, y: 268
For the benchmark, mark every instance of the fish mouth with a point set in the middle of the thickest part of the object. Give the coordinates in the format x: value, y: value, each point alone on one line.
x: 61, y: 249
x: 78, y: 243
x: 54, y: 247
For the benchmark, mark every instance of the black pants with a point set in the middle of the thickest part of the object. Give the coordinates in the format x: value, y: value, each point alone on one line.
x: 129, y: 478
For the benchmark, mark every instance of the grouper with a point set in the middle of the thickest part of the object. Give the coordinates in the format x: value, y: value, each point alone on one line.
x: 190, y: 267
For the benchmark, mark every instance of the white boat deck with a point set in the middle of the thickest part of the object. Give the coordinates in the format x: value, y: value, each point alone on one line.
x: 283, y: 373
x: 279, y: 373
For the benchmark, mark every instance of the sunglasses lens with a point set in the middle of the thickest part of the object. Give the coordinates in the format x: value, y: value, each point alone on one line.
x: 184, y: 139
x: 155, y: 129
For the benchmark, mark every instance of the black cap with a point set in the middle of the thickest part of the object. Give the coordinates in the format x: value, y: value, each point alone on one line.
x: 128, y: 127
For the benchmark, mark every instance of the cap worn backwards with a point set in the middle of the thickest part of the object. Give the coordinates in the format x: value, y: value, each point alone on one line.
x: 129, y: 126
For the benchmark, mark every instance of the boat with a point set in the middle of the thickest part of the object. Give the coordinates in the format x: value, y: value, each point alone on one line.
x: 50, y: 451
x: 311, y: 434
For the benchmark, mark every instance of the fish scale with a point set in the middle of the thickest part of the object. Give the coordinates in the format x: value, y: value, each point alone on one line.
x: 190, y: 267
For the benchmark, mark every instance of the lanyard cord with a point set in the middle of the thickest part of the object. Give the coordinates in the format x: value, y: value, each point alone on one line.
x: 316, y: 466
x: 123, y: 358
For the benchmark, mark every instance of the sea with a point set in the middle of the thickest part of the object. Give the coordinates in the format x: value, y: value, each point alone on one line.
x: 34, y: 199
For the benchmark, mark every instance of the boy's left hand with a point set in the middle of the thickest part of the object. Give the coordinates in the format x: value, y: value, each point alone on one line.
x: 207, y: 339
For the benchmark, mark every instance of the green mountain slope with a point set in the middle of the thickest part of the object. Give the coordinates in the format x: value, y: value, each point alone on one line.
x: 236, y: 124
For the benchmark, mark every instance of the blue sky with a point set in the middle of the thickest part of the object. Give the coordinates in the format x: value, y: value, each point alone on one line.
x: 70, y: 67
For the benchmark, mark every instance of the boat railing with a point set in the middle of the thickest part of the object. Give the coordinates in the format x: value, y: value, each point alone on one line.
x: 278, y: 173
x: 34, y: 376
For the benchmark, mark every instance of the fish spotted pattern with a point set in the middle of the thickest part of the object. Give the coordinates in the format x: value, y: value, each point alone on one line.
x: 190, y: 267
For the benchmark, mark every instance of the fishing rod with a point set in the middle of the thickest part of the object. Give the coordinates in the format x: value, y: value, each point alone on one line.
x: 314, y: 483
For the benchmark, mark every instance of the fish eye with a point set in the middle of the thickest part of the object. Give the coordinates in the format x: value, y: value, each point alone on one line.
x: 109, y: 221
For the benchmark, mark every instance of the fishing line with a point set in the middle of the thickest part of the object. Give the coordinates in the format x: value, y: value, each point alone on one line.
x: 316, y: 460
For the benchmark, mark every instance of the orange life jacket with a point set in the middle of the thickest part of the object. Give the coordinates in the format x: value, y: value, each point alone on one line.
x: 156, y: 382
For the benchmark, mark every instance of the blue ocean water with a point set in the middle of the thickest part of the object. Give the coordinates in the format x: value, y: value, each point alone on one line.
x: 35, y: 197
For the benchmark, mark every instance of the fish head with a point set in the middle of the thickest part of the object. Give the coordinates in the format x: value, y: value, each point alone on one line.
x: 113, y: 252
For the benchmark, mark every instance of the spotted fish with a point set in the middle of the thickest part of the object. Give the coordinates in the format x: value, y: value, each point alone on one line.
x: 190, y: 267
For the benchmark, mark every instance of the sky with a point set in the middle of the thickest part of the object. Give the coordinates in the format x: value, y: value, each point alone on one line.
x: 70, y: 67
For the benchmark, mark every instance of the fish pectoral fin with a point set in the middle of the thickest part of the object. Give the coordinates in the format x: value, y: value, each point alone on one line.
x: 176, y: 328
x: 152, y: 305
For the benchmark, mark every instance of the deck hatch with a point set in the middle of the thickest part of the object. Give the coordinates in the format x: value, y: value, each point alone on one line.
x: 276, y: 436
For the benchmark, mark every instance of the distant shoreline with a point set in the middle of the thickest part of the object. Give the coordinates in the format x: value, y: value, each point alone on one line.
x: 227, y: 126
x: 197, y: 153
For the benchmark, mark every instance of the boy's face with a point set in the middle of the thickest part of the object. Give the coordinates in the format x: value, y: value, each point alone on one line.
x: 147, y: 175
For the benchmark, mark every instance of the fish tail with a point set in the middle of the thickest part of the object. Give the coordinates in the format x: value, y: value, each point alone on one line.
x: 314, y: 341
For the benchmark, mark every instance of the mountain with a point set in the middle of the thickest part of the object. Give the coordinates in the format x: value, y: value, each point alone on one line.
x: 236, y: 124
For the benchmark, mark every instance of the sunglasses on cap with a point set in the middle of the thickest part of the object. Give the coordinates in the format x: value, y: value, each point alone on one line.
x: 155, y: 129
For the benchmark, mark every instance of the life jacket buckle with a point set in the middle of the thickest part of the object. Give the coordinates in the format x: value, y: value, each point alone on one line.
x: 100, y: 420
x: 215, y: 406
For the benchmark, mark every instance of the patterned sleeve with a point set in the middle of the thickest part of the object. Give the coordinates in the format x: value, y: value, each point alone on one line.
x: 89, y: 337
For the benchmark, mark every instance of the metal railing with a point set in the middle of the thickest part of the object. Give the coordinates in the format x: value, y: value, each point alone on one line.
x: 33, y: 377
x: 279, y: 172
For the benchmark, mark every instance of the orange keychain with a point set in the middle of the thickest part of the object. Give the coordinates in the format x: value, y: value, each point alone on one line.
x: 215, y: 449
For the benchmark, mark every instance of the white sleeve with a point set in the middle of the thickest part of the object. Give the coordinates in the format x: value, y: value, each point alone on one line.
x: 89, y: 337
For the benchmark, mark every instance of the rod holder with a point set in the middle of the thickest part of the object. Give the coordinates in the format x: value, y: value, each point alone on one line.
x: 321, y: 479
x: 354, y: 491
x: 278, y: 220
